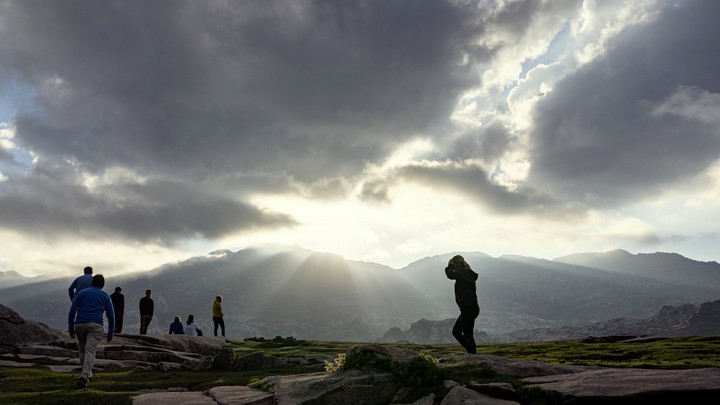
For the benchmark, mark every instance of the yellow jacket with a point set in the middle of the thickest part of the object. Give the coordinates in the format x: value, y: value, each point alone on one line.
x: 217, y: 308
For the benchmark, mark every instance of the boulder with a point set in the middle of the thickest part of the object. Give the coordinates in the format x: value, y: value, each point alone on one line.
x: 257, y: 361
x: 240, y: 395
x: 224, y: 358
x: 190, y: 344
x: 166, y: 366
x: 173, y: 398
x: 465, y: 396
x: 16, y: 331
x: 606, y: 384
x: 503, y: 365
x: 427, y: 400
x: 342, y: 388
x: 47, y: 351
x: 495, y: 390
x: 378, y: 355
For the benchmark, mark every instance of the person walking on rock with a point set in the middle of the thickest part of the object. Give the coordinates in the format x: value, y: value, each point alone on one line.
x: 218, y: 315
x: 466, y: 298
x: 118, y: 301
x: 147, y: 307
x: 81, y: 282
x: 85, y: 320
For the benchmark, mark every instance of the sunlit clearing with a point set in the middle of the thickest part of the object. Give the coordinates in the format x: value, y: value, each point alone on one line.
x: 112, y: 176
x: 417, y: 222
x: 409, y: 153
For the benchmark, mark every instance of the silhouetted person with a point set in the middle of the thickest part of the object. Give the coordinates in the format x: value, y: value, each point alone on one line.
x: 466, y: 298
x: 118, y: 301
x: 176, y: 327
x: 147, y: 307
x: 81, y: 282
x: 218, y: 315
x: 85, y: 320
x: 191, y: 328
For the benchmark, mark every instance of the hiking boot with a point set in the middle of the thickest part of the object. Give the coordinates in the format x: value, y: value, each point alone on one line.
x: 82, y: 383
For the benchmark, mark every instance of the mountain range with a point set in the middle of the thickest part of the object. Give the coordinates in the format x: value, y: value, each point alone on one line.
x: 290, y: 291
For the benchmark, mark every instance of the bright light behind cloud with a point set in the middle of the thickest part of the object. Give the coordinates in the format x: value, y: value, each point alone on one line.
x: 34, y: 256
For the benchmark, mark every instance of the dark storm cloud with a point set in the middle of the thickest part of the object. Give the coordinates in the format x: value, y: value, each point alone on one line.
x: 308, y: 87
x: 487, y: 143
x: 280, y: 96
x: 53, y: 203
x: 475, y: 183
x: 6, y: 157
x: 601, y: 136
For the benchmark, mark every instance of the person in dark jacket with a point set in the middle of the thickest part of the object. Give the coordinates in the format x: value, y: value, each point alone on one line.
x: 177, y: 327
x: 466, y: 298
x: 118, y: 301
x: 147, y: 307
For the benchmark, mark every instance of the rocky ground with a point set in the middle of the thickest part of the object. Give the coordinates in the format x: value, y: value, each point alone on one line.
x: 26, y: 343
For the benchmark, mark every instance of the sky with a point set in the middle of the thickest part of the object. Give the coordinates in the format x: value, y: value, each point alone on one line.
x: 136, y: 133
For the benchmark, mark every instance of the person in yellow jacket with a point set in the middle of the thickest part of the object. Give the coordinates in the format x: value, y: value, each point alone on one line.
x: 218, y: 315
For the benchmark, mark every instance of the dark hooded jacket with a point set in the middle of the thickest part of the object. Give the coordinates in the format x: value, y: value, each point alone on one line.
x: 464, y: 277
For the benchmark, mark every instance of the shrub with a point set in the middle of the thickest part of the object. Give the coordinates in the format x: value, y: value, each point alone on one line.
x: 337, y: 365
x: 422, y: 371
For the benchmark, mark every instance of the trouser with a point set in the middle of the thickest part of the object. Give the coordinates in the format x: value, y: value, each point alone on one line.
x: 118, y: 323
x: 89, y: 335
x: 144, y: 322
x: 218, y: 320
x: 464, y: 326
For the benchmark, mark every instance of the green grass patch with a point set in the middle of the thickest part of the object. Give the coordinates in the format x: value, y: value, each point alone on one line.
x: 675, y: 353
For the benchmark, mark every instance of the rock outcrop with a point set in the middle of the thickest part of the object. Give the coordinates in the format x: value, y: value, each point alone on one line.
x: 653, y: 386
x: 375, y: 375
x: 14, y: 331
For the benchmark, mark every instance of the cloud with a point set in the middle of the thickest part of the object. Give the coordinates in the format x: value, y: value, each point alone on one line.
x: 308, y: 87
x: 618, y: 129
x: 57, y: 203
x: 474, y: 182
x: 172, y: 123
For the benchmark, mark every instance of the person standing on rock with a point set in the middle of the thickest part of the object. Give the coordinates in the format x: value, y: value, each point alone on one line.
x: 147, y: 307
x: 81, y: 282
x: 466, y: 298
x: 118, y: 301
x: 85, y: 320
x: 218, y: 315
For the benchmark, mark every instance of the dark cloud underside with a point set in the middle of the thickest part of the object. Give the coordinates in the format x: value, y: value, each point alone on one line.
x: 598, y: 136
x: 308, y: 87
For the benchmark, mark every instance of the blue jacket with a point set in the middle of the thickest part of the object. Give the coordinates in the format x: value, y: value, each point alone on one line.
x: 177, y: 328
x: 80, y: 283
x: 88, y: 306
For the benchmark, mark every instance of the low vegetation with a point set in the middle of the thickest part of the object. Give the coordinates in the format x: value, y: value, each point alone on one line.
x: 39, y: 385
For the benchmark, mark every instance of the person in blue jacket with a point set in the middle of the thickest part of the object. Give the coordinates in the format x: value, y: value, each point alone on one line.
x: 81, y: 282
x: 466, y: 298
x: 85, y: 320
x: 177, y: 327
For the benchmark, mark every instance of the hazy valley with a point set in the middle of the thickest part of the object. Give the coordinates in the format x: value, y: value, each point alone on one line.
x: 310, y: 295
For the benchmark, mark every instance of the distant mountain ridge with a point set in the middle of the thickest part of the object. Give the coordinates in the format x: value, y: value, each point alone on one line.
x: 12, y: 278
x: 669, y: 321
x: 291, y: 291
